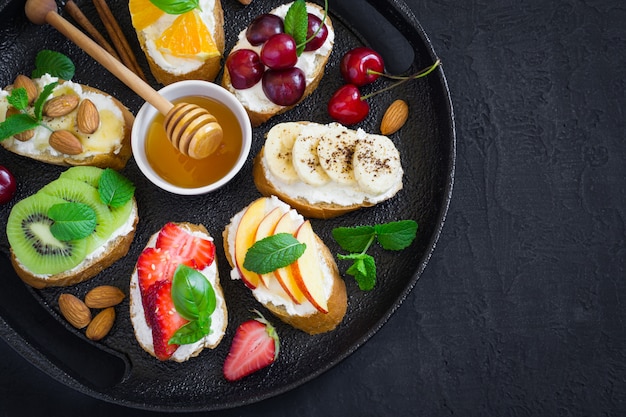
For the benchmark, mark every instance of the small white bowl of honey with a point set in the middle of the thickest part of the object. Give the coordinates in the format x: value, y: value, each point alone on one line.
x: 177, y: 173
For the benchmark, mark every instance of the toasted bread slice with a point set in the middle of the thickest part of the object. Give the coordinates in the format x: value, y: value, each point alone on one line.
x: 325, y: 198
x: 301, y: 315
x: 219, y: 318
x: 260, y: 109
x: 108, y: 147
x: 114, y: 249
x: 167, y: 70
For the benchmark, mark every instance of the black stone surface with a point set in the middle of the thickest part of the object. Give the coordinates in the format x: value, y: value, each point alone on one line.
x: 520, y: 311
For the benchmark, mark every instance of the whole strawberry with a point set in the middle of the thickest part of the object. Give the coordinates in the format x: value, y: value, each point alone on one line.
x: 255, y: 346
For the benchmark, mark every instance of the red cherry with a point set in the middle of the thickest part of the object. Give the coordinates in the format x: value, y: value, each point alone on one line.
x: 7, y: 185
x: 245, y: 68
x: 356, y: 62
x: 347, y: 106
x: 317, y: 28
x: 279, y: 52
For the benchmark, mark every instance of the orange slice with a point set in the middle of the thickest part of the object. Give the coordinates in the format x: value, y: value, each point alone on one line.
x: 143, y: 13
x: 188, y: 37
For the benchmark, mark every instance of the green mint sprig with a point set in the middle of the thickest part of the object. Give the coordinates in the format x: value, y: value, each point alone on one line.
x: 22, y: 121
x: 194, y: 299
x: 72, y: 221
x: 394, y: 236
x: 115, y: 190
x: 176, y: 6
x: 273, y: 252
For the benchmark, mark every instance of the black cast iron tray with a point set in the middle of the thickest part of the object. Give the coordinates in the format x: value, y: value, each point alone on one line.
x: 116, y: 369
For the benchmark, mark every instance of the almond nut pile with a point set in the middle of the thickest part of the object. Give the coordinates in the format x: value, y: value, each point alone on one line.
x: 78, y: 312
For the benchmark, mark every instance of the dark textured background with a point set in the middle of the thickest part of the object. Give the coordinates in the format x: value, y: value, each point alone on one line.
x: 520, y: 311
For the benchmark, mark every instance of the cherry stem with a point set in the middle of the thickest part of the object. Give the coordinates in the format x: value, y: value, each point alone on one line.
x: 319, y: 28
x: 402, y: 79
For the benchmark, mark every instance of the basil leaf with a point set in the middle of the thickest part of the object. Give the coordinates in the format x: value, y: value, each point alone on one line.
x: 396, y: 235
x: 176, y: 6
x: 190, y: 332
x: 192, y: 293
x: 41, y: 99
x: 354, y: 239
x: 364, y: 272
x: 16, y: 124
x: 115, y: 190
x: 54, y: 63
x: 18, y: 98
x: 72, y: 221
x: 296, y: 24
x: 273, y: 252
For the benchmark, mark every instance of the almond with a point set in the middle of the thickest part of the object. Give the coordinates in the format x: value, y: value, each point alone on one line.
x: 65, y: 142
x: 104, y: 296
x: 22, y: 81
x: 87, y: 118
x: 60, y: 105
x: 24, y: 136
x: 395, y: 117
x: 101, y: 324
x: 74, y: 310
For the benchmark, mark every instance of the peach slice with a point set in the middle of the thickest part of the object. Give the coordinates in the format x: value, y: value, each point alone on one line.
x: 289, y: 223
x: 307, y: 269
x: 245, y: 238
x: 265, y: 229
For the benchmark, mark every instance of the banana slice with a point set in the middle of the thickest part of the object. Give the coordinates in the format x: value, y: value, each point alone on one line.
x: 376, y: 164
x: 305, y: 159
x: 335, y: 151
x: 278, y: 151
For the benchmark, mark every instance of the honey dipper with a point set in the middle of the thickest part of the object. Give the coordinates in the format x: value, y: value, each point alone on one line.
x: 190, y: 128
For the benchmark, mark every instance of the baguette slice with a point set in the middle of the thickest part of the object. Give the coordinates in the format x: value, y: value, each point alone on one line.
x: 113, y: 250
x: 108, y: 147
x: 313, y: 63
x: 332, y: 198
x: 200, y: 69
x: 302, y: 316
x: 219, y: 318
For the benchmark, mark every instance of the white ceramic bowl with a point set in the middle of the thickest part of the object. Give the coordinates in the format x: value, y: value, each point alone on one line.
x: 147, y: 113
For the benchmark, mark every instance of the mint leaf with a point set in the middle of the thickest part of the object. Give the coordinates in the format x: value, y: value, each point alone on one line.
x: 273, y: 252
x: 354, y: 239
x: 72, y: 221
x: 363, y: 269
x: 41, y: 99
x: 54, y: 63
x: 192, y: 293
x: 396, y: 235
x: 176, y: 6
x: 16, y: 124
x: 18, y: 98
x: 296, y: 24
x: 191, y: 332
x: 115, y: 190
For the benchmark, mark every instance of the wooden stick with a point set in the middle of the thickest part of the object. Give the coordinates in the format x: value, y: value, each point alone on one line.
x: 84, y: 22
x: 117, y: 36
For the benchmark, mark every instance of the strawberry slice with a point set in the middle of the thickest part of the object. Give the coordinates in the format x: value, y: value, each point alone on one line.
x: 254, y: 347
x: 154, y: 265
x: 191, y: 250
x: 162, y: 318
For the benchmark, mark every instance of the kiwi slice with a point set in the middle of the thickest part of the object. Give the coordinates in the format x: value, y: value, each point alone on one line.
x: 91, y: 175
x: 87, y: 174
x: 28, y: 230
x: 75, y: 191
